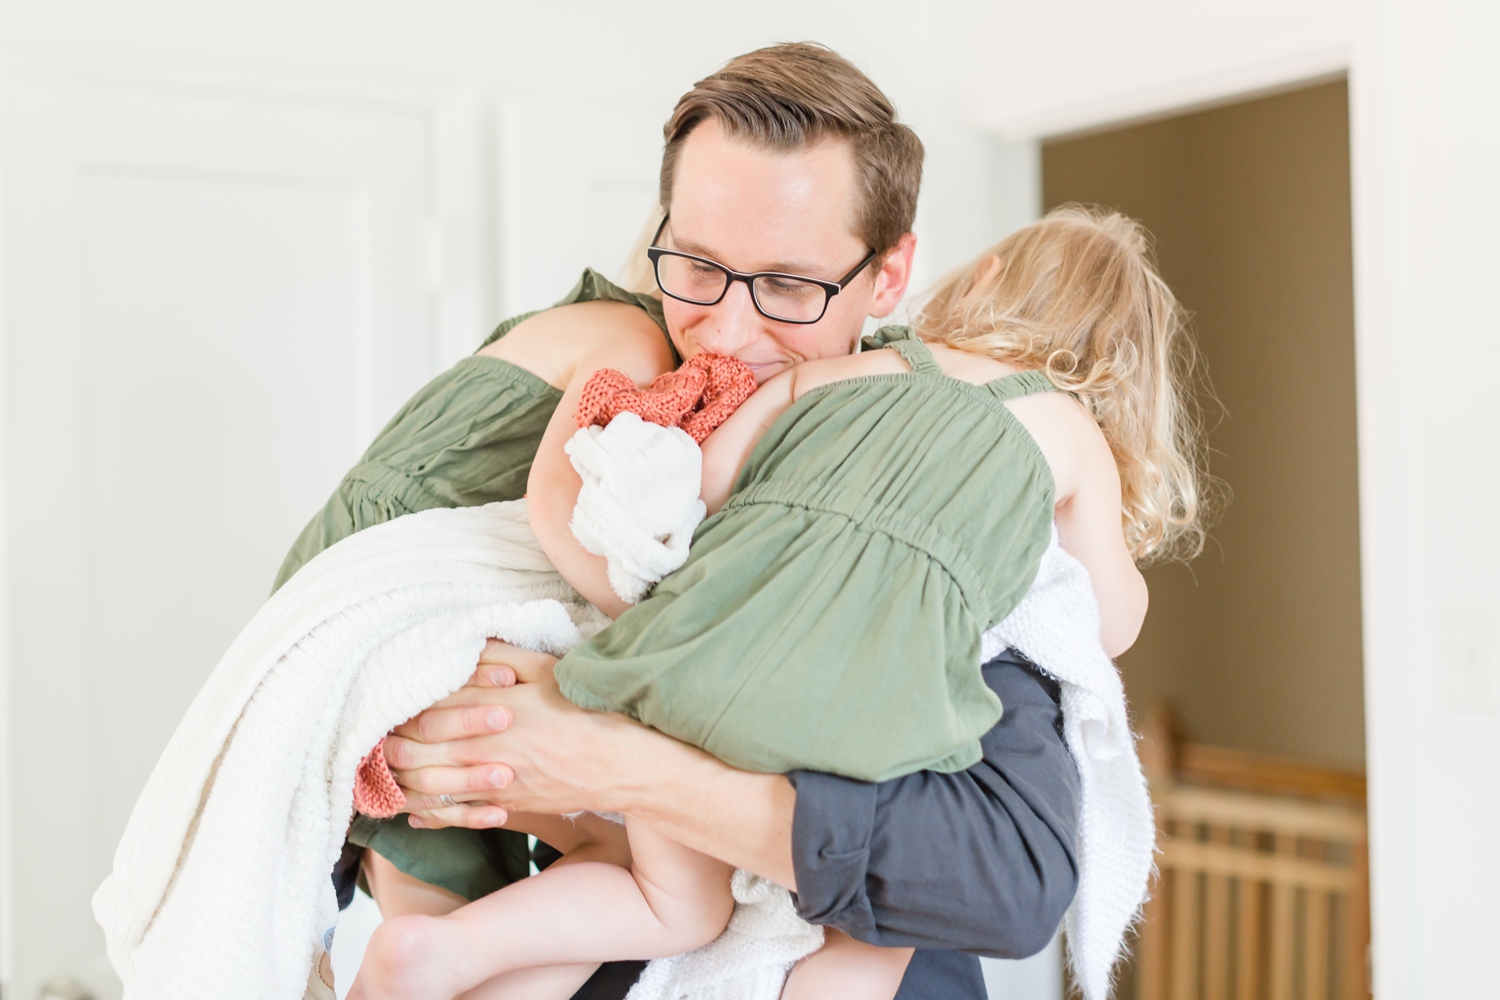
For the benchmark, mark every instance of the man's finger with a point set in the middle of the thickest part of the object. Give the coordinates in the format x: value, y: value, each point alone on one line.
x: 441, y: 725
x: 416, y: 802
x: 474, y: 817
x: 459, y: 782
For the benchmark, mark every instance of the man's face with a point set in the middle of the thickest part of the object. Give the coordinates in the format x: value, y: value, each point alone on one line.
x: 752, y: 209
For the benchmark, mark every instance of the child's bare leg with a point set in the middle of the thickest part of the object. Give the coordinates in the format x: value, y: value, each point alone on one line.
x: 560, y: 981
x: 671, y: 900
x: 844, y: 967
x: 550, y: 982
x: 397, y: 893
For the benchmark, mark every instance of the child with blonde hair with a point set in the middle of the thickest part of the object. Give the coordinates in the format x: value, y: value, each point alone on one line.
x: 870, y: 517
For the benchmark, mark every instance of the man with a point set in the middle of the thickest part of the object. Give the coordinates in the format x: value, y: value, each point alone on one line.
x: 788, y: 160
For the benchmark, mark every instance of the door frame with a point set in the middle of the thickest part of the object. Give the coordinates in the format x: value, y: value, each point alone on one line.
x: 1390, y: 636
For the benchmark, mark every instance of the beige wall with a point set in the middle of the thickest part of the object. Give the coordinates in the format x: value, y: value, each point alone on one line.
x: 1258, y: 641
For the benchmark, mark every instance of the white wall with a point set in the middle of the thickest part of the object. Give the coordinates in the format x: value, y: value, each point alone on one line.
x: 1425, y: 95
x: 961, y: 71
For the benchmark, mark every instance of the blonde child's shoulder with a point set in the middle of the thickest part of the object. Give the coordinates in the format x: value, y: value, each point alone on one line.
x: 552, y: 344
x: 1062, y: 427
x: 966, y: 367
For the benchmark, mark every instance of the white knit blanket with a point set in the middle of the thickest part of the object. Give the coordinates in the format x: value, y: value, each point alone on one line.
x: 1057, y: 627
x: 221, y: 885
x: 221, y: 889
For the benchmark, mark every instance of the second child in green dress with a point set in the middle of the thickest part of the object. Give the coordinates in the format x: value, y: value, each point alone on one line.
x: 870, y: 517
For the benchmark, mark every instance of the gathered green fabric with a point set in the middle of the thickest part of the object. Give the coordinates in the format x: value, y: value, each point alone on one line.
x: 467, y: 438
x: 828, y: 618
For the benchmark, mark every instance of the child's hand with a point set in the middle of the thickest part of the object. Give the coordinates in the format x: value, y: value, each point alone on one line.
x: 501, y: 665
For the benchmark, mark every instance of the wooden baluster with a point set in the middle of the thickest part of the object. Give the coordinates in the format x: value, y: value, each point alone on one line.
x: 1283, y: 924
x: 1151, y: 975
x: 1158, y: 753
x: 1216, y: 926
x: 1247, y: 941
x: 1315, y: 957
x: 1186, y: 927
x: 1151, y: 963
x: 1353, y: 979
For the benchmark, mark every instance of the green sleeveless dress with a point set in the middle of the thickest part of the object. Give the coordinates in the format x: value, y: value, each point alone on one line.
x: 828, y: 618
x: 466, y: 438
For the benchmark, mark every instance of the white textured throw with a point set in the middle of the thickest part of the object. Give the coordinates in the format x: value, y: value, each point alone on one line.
x: 639, y: 504
x: 1056, y: 626
x: 221, y: 887
x: 749, y: 961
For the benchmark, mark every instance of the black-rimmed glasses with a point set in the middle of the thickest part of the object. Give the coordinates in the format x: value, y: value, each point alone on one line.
x: 786, y: 298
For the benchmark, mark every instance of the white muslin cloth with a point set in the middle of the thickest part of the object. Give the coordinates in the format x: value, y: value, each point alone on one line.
x: 1056, y: 626
x: 749, y: 961
x: 221, y: 888
x: 639, y: 504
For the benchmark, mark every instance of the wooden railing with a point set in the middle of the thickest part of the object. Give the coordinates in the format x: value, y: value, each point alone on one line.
x: 1262, y: 890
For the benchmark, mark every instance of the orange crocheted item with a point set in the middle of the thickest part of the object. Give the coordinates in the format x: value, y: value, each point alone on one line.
x: 376, y: 793
x: 697, y: 397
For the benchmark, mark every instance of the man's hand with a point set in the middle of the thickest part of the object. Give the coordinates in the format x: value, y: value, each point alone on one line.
x: 470, y: 747
x: 509, y: 741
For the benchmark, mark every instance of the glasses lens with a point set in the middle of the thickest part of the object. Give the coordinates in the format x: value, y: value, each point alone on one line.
x: 685, y: 278
x: 790, y: 299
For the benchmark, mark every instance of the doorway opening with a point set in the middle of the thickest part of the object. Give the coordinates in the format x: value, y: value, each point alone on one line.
x: 1255, y: 648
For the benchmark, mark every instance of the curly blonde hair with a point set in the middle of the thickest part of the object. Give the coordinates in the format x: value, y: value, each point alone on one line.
x: 1077, y: 296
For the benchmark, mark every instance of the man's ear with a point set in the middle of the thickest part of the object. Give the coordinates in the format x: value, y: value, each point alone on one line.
x: 893, y: 276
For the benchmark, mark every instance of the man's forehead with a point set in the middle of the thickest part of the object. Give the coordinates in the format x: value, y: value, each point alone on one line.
x: 755, y: 208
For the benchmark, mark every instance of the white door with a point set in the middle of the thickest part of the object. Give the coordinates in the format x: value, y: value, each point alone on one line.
x: 211, y: 302
x: 573, y: 195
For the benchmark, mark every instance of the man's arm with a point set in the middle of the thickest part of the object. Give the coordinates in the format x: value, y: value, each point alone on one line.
x: 498, y: 745
x: 983, y: 860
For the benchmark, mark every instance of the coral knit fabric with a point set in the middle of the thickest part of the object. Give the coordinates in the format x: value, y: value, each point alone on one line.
x: 376, y: 793
x: 697, y: 397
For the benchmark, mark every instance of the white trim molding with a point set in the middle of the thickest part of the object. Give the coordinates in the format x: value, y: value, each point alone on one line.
x: 1221, y: 85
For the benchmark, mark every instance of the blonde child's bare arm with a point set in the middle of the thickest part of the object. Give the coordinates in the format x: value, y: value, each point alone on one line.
x: 623, y: 339
x: 1088, y: 510
x: 727, y: 448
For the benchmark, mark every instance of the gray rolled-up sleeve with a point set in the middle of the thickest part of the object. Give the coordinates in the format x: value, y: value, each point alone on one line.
x: 982, y: 860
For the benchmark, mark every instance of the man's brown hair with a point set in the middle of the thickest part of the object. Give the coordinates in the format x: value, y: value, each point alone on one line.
x: 787, y: 97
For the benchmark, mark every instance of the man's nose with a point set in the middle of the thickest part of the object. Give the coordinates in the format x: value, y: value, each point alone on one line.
x: 734, y: 324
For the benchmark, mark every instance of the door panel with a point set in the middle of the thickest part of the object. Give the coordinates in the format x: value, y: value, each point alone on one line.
x: 211, y: 303
x: 572, y: 196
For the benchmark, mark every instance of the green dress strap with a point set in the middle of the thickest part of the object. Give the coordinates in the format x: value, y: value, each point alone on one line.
x: 883, y: 336
x: 1019, y: 384
x: 917, y: 355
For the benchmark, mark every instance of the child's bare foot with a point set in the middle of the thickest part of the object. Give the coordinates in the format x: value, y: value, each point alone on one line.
x: 408, y: 958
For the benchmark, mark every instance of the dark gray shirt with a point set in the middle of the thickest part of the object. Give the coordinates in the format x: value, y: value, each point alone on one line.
x: 981, y: 862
